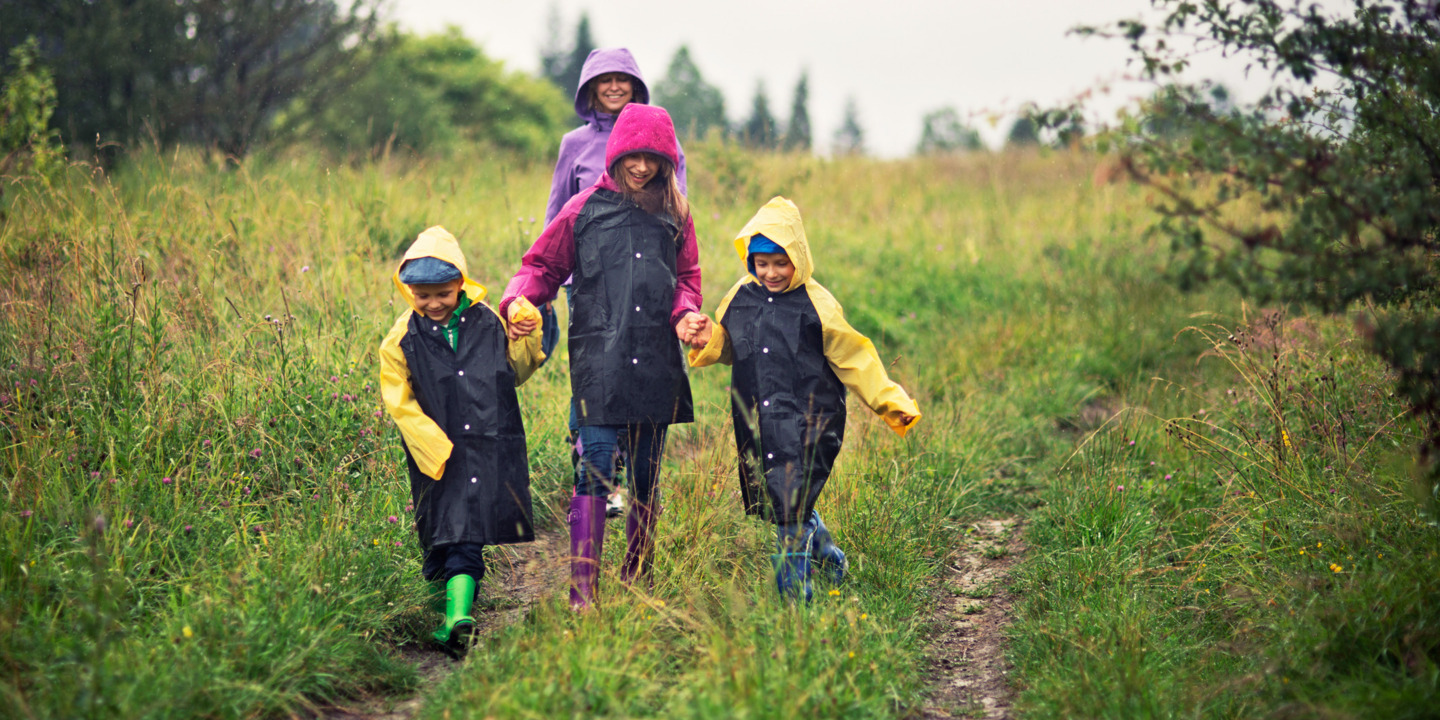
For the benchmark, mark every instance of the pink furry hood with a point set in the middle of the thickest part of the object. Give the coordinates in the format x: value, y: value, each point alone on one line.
x: 642, y: 128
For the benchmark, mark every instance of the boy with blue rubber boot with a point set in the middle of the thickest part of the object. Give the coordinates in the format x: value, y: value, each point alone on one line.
x: 448, y: 374
x: 793, y: 357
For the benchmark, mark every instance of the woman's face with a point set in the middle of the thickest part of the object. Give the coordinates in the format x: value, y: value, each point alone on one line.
x: 638, y: 169
x: 613, y: 91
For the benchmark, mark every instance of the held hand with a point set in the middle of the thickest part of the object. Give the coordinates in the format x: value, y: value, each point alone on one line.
x: 688, y: 325
x: 519, y: 328
x: 906, y: 419
x: 702, y: 336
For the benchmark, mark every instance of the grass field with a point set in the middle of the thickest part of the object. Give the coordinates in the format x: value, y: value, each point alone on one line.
x: 204, y: 510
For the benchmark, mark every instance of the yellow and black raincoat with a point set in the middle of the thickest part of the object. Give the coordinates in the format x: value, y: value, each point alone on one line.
x: 451, y: 391
x: 793, y: 356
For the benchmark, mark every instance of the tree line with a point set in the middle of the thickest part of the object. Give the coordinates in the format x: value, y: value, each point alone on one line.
x: 236, y: 75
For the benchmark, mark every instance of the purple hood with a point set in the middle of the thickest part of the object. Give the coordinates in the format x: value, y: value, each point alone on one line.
x: 607, y: 60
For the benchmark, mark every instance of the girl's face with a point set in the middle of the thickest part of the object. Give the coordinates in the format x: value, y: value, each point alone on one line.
x: 613, y: 91
x: 638, y: 169
x: 773, y: 270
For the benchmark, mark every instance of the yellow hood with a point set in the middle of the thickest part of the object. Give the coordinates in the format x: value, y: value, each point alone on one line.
x: 779, y: 220
x: 437, y: 242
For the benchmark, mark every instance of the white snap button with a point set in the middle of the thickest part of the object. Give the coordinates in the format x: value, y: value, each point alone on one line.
x: 462, y: 372
x: 434, y: 327
x: 766, y: 349
x: 637, y: 255
x: 769, y: 299
x: 467, y: 427
x: 473, y: 479
x: 766, y: 404
x: 634, y: 361
x: 768, y: 456
x: 637, y: 308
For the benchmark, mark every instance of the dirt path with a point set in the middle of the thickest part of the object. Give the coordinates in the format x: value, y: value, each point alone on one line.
x: 523, y: 575
x: 969, y: 676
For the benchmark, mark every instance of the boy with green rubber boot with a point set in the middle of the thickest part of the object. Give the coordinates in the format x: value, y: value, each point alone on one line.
x: 448, y: 374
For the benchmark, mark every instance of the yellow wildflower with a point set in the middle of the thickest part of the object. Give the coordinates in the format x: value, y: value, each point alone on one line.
x: 834, y: 593
x: 187, y: 632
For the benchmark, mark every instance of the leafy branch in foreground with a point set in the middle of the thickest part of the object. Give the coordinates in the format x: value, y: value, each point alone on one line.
x: 1341, y: 157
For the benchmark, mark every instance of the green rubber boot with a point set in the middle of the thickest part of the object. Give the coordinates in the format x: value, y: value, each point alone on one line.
x: 454, y: 634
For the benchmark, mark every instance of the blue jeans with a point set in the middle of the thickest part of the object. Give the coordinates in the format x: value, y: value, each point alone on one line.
x: 595, y: 473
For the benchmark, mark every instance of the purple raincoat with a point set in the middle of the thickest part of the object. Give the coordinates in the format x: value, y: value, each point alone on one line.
x: 582, y: 150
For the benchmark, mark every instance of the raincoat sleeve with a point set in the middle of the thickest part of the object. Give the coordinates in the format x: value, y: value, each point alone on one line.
x: 562, y: 183
x: 687, y: 268
x: 525, y: 354
x: 853, y: 358
x: 549, y: 261
x: 680, y: 169
x: 718, y: 349
x: 428, y: 444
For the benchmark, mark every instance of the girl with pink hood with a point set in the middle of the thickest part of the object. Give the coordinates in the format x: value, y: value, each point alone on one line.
x: 629, y: 241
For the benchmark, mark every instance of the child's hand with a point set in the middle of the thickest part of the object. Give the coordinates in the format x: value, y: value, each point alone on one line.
x: 523, y: 319
x: 906, y: 419
x: 689, y: 325
x: 702, y: 336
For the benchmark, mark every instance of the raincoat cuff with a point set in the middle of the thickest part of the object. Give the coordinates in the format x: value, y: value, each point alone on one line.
x: 521, y: 309
x: 713, y: 352
x: 896, y: 423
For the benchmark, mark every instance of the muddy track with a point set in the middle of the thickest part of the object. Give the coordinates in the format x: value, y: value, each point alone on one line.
x: 519, y: 576
x: 968, y: 673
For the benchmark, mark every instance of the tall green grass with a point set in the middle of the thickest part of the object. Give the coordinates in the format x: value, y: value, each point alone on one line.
x: 198, y: 486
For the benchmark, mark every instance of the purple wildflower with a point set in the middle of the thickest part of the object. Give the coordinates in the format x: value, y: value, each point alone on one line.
x: 26, y: 513
x: 129, y: 523
x: 189, y: 528
x: 305, y: 269
x: 166, y: 481
x: 393, y: 519
x: 1168, y: 476
x: 94, y: 474
x: 1120, y: 488
x: 255, y: 453
x: 205, y: 443
x: 100, y: 523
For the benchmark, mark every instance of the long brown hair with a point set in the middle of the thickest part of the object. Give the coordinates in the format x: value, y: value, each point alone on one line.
x: 660, y: 195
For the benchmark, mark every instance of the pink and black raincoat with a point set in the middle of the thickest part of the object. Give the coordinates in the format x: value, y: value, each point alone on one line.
x: 635, y: 275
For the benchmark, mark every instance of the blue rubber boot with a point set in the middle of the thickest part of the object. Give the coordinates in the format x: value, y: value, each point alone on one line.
x: 829, y: 559
x: 792, y: 563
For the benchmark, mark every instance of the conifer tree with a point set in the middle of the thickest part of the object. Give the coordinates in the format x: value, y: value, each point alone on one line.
x: 797, y: 134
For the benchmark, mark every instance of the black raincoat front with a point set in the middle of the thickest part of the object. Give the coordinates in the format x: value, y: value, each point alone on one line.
x: 484, y: 494
x: 788, y: 406
x: 626, y: 366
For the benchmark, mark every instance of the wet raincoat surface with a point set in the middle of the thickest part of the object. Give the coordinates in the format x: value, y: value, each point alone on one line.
x: 582, y: 150
x: 635, y: 275
x: 794, y: 355
x: 457, y: 413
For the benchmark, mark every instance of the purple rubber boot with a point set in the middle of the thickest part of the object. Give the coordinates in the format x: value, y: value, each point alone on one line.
x: 587, y: 537
x: 639, y: 543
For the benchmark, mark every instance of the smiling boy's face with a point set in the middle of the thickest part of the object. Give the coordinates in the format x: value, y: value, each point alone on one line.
x: 773, y: 270
x: 437, y: 301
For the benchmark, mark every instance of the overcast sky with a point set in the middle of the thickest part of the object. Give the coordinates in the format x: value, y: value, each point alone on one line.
x: 899, y: 59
